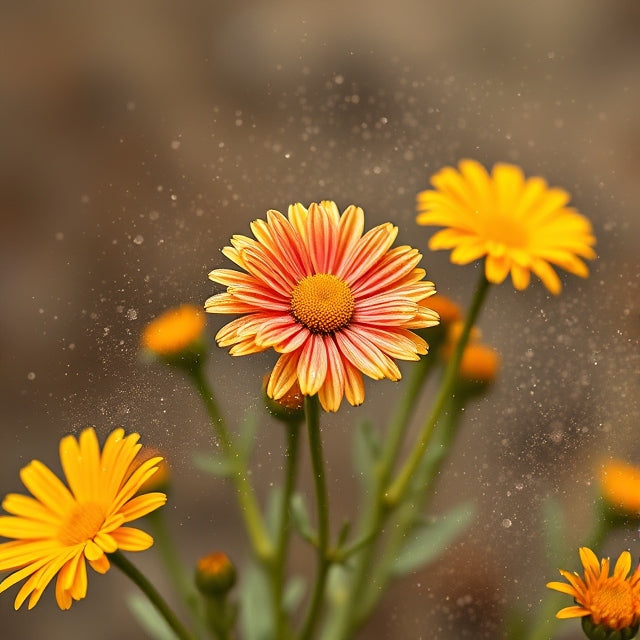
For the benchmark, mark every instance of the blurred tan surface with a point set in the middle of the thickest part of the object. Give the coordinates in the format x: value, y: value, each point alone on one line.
x: 137, y: 137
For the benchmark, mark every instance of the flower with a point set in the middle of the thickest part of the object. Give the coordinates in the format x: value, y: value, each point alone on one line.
x: 520, y: 224
x: 215, y: 574
x: 174, y: 331
x: 57, y: 529
x: 620, y: 486
x: 334, y: 302
x: 612, y: 602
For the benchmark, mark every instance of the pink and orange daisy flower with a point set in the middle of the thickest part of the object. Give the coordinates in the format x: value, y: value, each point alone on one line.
x: 335, y: 302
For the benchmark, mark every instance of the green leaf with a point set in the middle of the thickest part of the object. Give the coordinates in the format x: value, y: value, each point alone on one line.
x: 430, y: 539
x: 555, y: 533
x: 366, y: 451
x: 256, y: 621
x: 274, y: 510
x: 293, y: 593
x: 247, y: 437
x: 300, y: 518
x: 216, y: 465
x: 148, y: 618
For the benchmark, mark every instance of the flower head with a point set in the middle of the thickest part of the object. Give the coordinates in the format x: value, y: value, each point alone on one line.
x: 480, y: 363
x: 612, y: 602
x: 520, y: 225
x: 174, y: 331
x: 56, y: 530
x: 620, y: 486
x: 334, y: 302
x: 215, y: 574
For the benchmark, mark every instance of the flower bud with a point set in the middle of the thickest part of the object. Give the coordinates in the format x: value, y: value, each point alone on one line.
x: 176, y: 336
x: 288, y: 409
x: 215, y: 575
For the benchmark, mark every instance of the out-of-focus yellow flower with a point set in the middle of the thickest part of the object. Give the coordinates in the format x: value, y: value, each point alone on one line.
x: 606, y: 603
x: 620, y: 486
x: 174, y: 331
x: 520, y: 225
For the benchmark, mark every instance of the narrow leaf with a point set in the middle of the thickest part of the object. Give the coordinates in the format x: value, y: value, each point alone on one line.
x: 216, y: 465
x: 148, y: 618
x: 429, y: 540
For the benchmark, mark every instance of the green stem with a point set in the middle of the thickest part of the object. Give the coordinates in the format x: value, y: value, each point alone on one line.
x: 284, y: 530
x: 260, y: 539
x: 175, y: 568
x: 312, y: 413
x: 408, y: 512
x: 398, y: 488
x: 149, y: 590
x: 346, y: 619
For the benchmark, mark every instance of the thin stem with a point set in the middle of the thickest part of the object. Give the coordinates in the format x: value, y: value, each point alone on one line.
x: 284, y: 530
x: 150, y: 591
x: 398, y: 488
x: 260, y: 539
x: 312, y: 413
x: 175, y: 568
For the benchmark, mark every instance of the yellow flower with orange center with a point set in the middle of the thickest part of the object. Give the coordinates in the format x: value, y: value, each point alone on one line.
x: 336, y: 303
x: 56, y: 530
x: 611, y: 601
x: 174, y: 330
x: 620, y: 485
x: 520, y: 225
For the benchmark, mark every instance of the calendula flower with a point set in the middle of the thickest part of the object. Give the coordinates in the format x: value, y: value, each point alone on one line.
x: 56, y: 530
x: 174, y: 331
x: 520, y: 225
x: 620, y: 486
x: 334, y: 302
x: 446, y: 308
x: 611, y: 602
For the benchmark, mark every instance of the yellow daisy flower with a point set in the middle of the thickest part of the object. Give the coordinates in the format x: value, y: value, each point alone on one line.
x: 520, y: 225
x: 56, y: 530
x: 334, y: 302
x: 174, y: 330
x: 612, y: 601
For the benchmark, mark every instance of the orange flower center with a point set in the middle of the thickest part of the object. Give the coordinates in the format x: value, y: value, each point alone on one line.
x: 613, y: 605
x: 323, y: 303
x: 506, y: 232
x: 82, y: 524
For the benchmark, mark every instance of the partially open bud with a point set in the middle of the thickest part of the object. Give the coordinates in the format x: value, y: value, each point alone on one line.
x: 288, y: 409
x: 620, y: 487
x: 176, y: 336
x: 215, y: 575
x: 159, y: 481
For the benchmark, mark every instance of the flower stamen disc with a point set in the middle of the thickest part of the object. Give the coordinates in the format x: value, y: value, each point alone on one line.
x: 323, y: 303
x: 82, y: 524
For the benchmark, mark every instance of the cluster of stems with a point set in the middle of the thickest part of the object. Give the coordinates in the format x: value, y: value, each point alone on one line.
x: 398, y: 495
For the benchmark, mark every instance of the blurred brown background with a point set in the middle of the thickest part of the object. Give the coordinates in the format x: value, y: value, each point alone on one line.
x: 138, y: 136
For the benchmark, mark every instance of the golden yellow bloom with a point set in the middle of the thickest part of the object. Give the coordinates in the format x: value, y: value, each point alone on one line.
x: 520, y: 225
x: 610, y: 601
x: 56, y: 530
x: 334, y: 302
x: 174, y: 330
x: 620, y: 485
